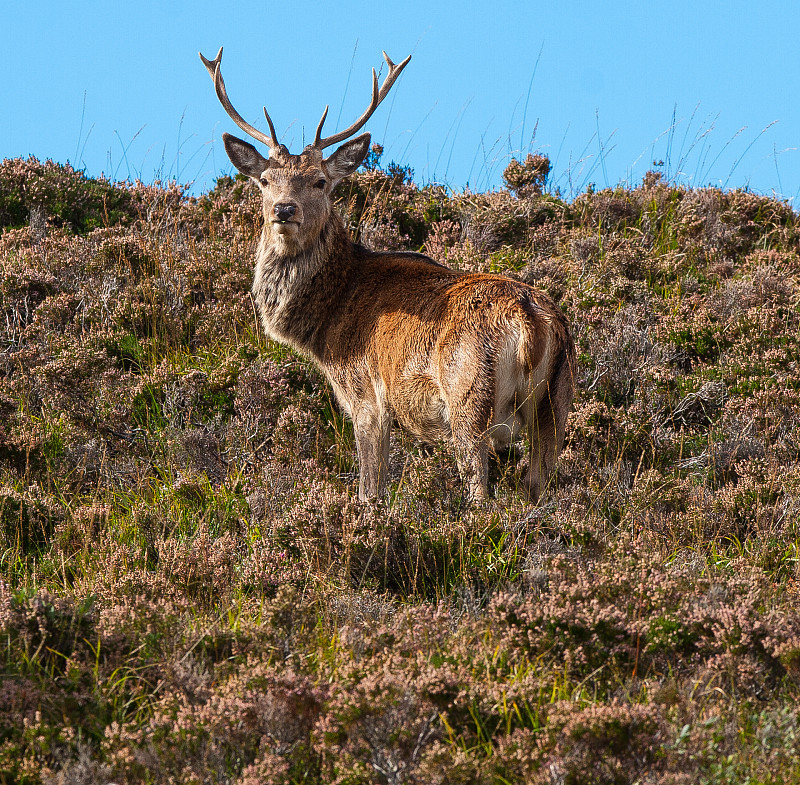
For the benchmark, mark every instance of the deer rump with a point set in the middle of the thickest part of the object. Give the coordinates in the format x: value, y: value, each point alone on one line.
x: 475, y: 359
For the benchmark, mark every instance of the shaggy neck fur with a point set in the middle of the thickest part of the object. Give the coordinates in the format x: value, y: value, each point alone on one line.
x: 297, y: 291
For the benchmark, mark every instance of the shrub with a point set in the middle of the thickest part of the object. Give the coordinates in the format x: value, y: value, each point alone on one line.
x: 529, y: 177
x: 35, y: 191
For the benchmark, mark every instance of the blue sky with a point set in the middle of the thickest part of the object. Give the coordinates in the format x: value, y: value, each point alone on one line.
x: 604, y: 88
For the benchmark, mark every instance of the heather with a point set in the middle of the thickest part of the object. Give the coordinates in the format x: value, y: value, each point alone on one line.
x: 190, y: 591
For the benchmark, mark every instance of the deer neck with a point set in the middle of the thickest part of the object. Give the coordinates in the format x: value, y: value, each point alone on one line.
x: 296, y: 293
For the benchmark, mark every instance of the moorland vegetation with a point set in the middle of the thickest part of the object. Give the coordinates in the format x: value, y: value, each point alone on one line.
x: 190, y: 591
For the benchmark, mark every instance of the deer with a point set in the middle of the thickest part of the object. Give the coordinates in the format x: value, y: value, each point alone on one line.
x: 476, y: 360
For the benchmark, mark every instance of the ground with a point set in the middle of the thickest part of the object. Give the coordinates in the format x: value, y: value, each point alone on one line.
x: 190, y: 591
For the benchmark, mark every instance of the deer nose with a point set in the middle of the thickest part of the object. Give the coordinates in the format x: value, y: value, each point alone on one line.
x: 283, y: 212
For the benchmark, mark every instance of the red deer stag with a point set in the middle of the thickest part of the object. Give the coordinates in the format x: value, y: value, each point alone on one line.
x: 476, y: 359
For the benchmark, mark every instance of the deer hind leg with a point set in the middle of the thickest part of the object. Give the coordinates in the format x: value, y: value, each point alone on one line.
x: 543, y: 436
x: 472, y: 455
x: 546, y: 425
x: 471, y: 443
x: 372, y: 426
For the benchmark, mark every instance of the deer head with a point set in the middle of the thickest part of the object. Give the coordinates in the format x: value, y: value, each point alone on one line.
x: 296, y: 189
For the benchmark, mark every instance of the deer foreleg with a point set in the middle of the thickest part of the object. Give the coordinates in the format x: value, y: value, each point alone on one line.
x: 372, y: 426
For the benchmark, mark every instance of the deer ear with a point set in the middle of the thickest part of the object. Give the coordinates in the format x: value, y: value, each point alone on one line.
x: 244, y: 156
x: 347, y: 158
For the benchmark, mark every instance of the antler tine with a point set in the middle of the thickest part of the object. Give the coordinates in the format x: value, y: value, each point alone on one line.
x: 274, y: 140
x: 377, y: 97
x: 214, y: 68
x: 319, y: 127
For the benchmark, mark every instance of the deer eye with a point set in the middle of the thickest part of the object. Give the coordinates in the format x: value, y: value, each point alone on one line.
x: 321, y: 183
x: 264, y: 182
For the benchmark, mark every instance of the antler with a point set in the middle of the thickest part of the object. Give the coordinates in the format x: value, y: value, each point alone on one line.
x: 215, y: 69
x: 377, y: 97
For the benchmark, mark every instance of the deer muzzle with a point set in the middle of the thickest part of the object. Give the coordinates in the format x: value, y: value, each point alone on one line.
x: 283, y: 212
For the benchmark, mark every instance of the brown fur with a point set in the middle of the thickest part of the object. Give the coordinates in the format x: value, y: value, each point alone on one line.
x: 474, y: 359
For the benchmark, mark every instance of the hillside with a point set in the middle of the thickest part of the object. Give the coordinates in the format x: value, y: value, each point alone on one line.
x: 190, y: 591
